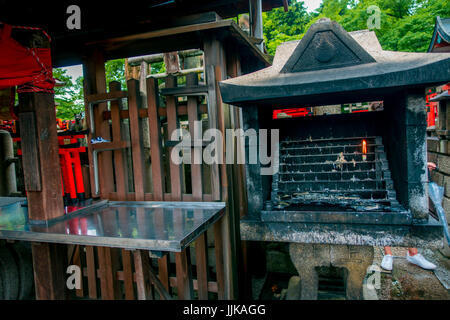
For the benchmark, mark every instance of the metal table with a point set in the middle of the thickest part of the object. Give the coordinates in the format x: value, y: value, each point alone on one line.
x: 153, y: 226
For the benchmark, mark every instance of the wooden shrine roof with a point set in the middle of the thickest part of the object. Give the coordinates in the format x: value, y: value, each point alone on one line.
x: 102, y: 20
x: 441, y: 35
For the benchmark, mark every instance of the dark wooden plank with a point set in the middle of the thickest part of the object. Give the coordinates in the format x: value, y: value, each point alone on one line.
x: 218, y: 248
x: 213, y: 124
x: 172, y: 125
x: 109, y: 146
x: 155, y: 140
x: 106, y: 96
x: 172, y: 62
x: 49, y: 266
x: 201, y: 258
x: 108, y: 264
x: 128, y: 275
x: 215, y: 64
x: 161, y: 288
x: 78, y: 259
x: 185, y: 91
x: 239, y: 186
x: 45, y: 202
x: 142, y: 265
x: 182, y: 109
x: 162, y: 112
x: 29, y: 145
x: 96, y: 84
x: 163, y: 271
x: 127, y: 263
x: 136, y: 141
x: 119, y: 164
x: 195, y: 132
x: 91, y: 272
x: 89, y: 136
x: 184, y: 276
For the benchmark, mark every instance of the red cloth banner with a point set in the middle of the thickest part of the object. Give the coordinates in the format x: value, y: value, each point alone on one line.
x: 28, y: 68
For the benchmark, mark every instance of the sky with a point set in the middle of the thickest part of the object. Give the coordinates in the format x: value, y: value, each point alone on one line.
x: 312, y: 4
x: 76, y: 71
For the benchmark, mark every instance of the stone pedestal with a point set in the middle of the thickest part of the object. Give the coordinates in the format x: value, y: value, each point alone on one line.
x: 355, y: 260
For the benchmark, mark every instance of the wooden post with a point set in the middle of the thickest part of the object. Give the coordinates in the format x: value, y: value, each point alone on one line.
x: 172, y: 125
x: 256, y: 22
x: 42, y: 172
x: 239, y: 184
x: 49, y: 266
x: 119, y: 161
x: 184, y: 277
x: 215, y: 66
x: 136, y: 141
x: 157, y: 165
x: 95, y: 82
x: 142, y: 266
x: 42, y: 175
x: 91, y: 272
x: 201, y: 244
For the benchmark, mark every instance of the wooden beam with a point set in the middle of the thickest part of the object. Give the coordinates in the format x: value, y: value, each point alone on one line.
x: 119, y: 161
x: 185, y: 91
x: 201, y: 258
x: 162, y: 112
x: 172, y: 125
x: 79, y: 260
x: 109, y: 146
x: 155, y: 140
x: 43, y: 180
x: 196, y: 153
x: 215, y: 66
x: 95, y: 78
x: 156, y: 155
x: 172, y: 62
x: 256, y: 21
x: 161, y: 288
x: 239, y: 184
x: 128, y: 280
x: 108, y: 263
x: 136, y: 141
x: 185, y: 288
x: 107, y: 96
x: 142, y: 265
x: 29, y: 146
x: 40, y: 145
x: 49, y: 266
x: 91, y: 272
x: 218, y: 248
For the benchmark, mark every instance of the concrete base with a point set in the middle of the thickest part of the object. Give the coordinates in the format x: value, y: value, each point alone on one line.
x: 355, y: 260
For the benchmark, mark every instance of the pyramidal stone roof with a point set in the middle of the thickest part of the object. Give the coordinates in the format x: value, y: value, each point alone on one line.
x: 331, y: 60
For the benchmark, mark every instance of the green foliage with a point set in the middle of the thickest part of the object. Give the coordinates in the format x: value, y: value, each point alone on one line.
x: 406, y: 25
x: 115, y: 71
x: 158, y: 67
x: 68, y: 97
x: 280, y: 26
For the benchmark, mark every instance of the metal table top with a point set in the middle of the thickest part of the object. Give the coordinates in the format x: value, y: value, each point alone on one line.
x: 154, y: 226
